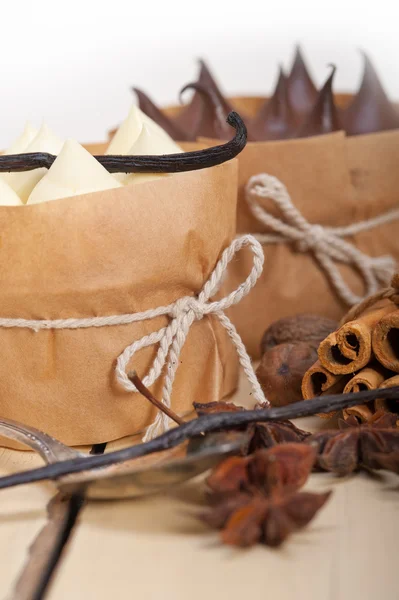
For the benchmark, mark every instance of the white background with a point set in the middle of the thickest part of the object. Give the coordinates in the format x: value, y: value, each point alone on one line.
x: 72, y: 63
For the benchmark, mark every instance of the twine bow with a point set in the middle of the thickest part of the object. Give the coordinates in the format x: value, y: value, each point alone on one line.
x: 171, y: 338
x: 325, y: 243
x: 183, y: 313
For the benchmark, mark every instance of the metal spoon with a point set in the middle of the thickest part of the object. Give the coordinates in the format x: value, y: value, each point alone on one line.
x: 134, y: 477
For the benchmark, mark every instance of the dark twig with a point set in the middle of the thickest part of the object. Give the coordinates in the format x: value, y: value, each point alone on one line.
x: 135, y: 379
x: 205, y: 424
x: 166, y: 163
x: 48, y: 547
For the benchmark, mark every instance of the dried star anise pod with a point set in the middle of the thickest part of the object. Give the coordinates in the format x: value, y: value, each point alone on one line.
x: 255, y: 499
x: 261, y: 435
x: 284, y: 467
x: 388, y: 461
x: 355, y: 446
x: 271, y: 521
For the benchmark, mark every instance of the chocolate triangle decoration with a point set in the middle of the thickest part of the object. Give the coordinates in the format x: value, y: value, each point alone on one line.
x: 371, y: 110
x: 206, y: 114
x: 152, y: 111
x: 212, y: 114
x: 275, y: 119
x: 302, y: 92
x: 295, y: 109
x: 189, y: 117
x: 324, y: 116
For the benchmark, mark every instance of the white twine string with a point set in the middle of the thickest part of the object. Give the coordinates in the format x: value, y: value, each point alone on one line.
x: 325, y: 243
x: 171, y: 338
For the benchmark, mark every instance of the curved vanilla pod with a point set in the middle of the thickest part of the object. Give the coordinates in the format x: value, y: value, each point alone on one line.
x: 199, y: 426
x: 168, y: 163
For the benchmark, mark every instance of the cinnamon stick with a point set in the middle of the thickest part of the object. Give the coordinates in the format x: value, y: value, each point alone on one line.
x: 350, y: 348
x: 369, y: 378
x: 385, y: 341
x: 318, y: 381
x: 384, y: 404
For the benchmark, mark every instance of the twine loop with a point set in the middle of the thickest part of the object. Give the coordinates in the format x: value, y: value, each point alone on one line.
x: 324, y: 243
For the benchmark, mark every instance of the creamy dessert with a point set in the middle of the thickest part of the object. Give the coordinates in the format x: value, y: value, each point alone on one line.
x: 75, y: 171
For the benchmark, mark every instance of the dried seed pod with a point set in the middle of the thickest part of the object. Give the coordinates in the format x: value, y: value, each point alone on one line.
x: 281, y: 371
x: 299, y: 328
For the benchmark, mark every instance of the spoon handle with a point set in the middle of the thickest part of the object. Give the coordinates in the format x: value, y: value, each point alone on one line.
x: 50, y: 449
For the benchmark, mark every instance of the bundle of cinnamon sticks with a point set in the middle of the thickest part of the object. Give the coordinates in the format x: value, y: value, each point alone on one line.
x: 363, y: 354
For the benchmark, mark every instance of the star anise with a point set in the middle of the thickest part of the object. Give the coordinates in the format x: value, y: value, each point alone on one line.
x: 255, y: 498
x: 355, y: 446
x: 388, y: 461
x: 261, y: 435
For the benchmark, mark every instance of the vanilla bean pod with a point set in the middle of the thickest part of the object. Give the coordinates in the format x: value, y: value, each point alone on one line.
x: 205, y: 424
x: 166, y: 163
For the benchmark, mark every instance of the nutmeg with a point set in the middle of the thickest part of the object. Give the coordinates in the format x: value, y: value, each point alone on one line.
x: 281, y: 371
x: 299, y: 328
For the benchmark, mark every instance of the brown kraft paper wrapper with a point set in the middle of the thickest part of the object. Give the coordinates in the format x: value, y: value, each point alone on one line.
x: 334, y: 181
x: 108, y: 253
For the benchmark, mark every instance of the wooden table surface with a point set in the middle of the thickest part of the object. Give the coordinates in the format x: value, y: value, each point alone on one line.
x: 155, y: 548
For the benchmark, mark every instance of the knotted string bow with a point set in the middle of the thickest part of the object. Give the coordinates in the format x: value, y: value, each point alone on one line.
x: 171, y: 338
x: 183, y: 313
x: 325, y: 243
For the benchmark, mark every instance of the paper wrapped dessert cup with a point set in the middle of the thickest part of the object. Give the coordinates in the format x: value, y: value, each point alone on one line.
x: 333, y: 181
x: 120, y: 251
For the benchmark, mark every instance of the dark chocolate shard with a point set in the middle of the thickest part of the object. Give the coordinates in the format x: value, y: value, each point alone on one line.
x: 371, y: 109
x: 302, y: 91
x: 324, y: 116
x: 151, y: 110
x: 212, y: 122
x: 275, y: 119
x: 194, y: 117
